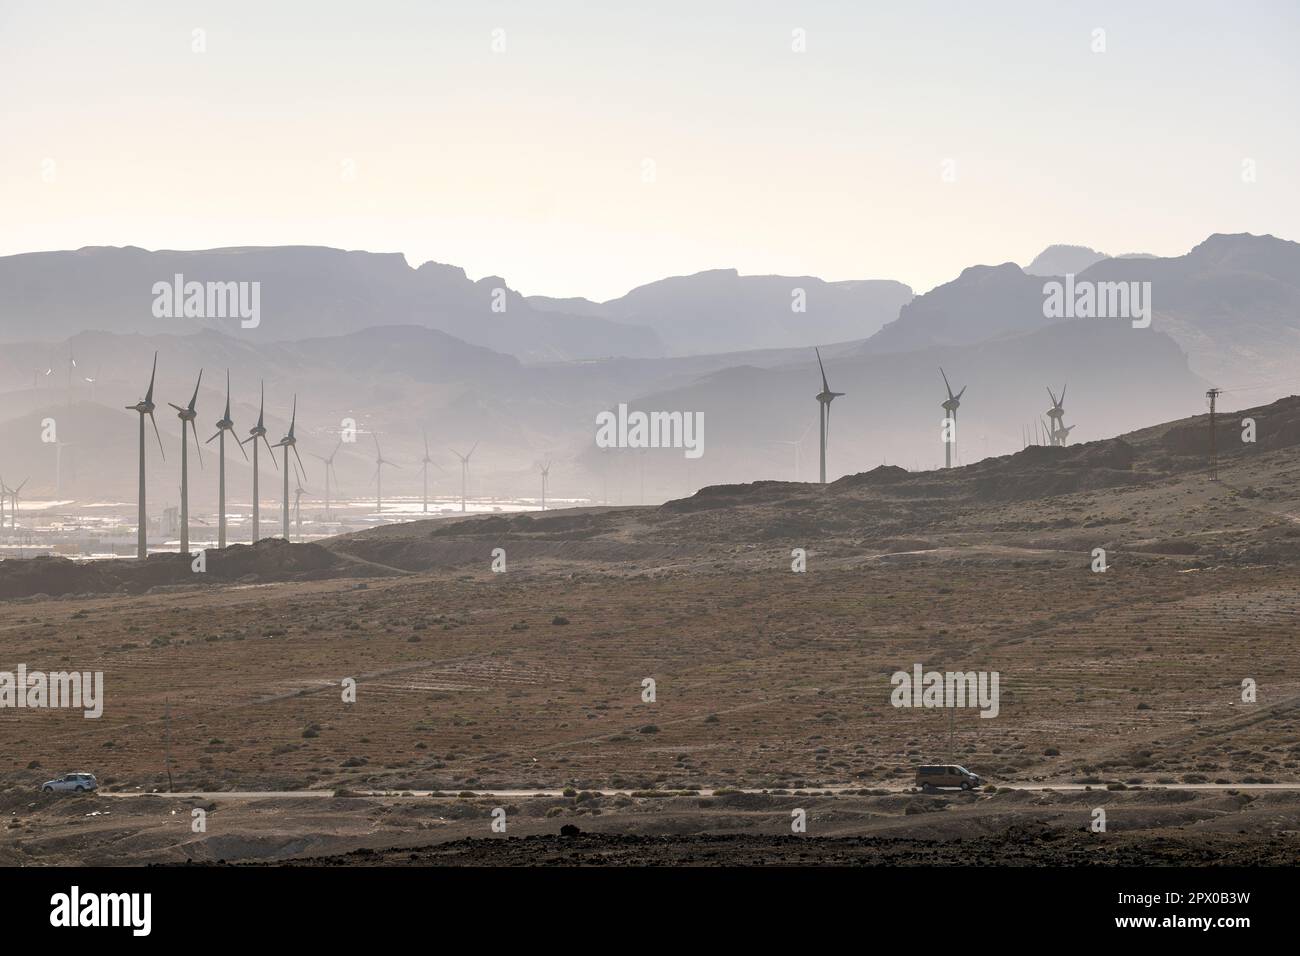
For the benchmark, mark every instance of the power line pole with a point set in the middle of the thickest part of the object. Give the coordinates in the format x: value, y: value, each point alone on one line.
x: 1213, y: 394
x: 167, y: 741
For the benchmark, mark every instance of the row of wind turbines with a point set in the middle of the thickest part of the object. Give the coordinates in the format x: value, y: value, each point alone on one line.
x: 257, y: 437
x: 188, y: 416
x: 1057, y: 432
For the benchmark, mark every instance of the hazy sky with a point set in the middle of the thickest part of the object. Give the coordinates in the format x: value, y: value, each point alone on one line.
x: 395, y: 126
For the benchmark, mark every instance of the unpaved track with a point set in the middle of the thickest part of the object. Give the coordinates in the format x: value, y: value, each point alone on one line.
x: 702, y: 792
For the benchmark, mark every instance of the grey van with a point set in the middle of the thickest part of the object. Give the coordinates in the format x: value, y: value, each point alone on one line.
x: 946, y: 775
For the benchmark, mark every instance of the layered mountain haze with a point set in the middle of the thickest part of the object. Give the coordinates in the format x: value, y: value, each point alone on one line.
x: 1232, y: 304
x: 1118, y: 378
x: 304, y: 291
x: 721, y: 310
x: 1225, y: 313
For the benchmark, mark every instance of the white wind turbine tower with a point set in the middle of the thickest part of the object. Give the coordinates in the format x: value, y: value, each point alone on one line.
x: 464, y: 473
x: 824, y: 399
x: 223, y: 426
x: 187, y: 416
x: 380, y: 461
x: 546, y: 476
x: 58, y: 466
x: 329, y: 468
x: 297, y: 504
x: 254, y: 433
x: 4, y: 501
x: 950, y: 406
x: 146, y: 407
x: 425, y: 462
x: 289, y: 442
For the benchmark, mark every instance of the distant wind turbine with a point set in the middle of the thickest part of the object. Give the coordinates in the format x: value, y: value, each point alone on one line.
x: 798, y: 447
x: 58, y: 466
x: 464, y: 473
x: 329, y: 469
x: 254, y: 433
x: 146, y: 407
x: 289, y: 442
x: 187, y: 416
x: 425, y: 462
x: 546, y: 476
x: 91, y: 380
x: 824, y: 399
x: 950, y: 406
x: 380, y: 461
x: 13, y: 503
x: 223, y: 426
x: 1056, y: 415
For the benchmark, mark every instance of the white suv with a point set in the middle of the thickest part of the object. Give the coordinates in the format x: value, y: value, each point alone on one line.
x: 75, y: 782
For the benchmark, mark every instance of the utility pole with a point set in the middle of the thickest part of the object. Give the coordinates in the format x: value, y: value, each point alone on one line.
x: 167, y: 741
x: 952, y: 751
x: 1212, y: 394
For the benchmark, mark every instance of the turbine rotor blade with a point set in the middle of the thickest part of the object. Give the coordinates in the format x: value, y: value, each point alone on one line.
x: 148, y: 396
x: 158, y: 436
x: 197, y: 448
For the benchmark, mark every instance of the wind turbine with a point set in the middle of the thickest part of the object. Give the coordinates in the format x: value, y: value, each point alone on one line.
x: 13, y: 504
x: 329, y: 467
x: 425, y: 462
x: 951, y: 406
x: 91, y: 380
x: 4, y: 492
x: 546, y: 476
x: 824, y: 399
x: 72, y: 365
x: 254, y: 433
x: 798, y: 447
x: 464, y: 473
x: 58, y: 466
x: 145, y: 407
x: 187, y: 416
x: 223, y: 426
x: 380, y: 461
x: 289, y: 442
x: 1056, y: 414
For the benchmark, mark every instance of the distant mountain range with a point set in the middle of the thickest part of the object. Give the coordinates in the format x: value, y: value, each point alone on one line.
x: 1226, y: 313
x: 305, y: 291
x: 1232, y: 303
x: 1060, y: 259
x: 721, y: 310
x: 309, y: 291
